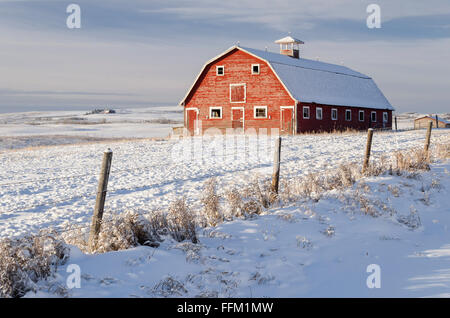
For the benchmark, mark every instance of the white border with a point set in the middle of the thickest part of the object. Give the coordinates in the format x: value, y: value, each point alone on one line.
x: 364, y: 115
x: 321, y: 110
x: 259, y: 69
x: 293, y: 117
x: 345, y: 115
x: 215, y: 107
x: 243, y: 115
x: 217, y: 70
x: 371, y: 120
x: 337, y: 114
x: 245, y: 92
x: 303, y: 112
x: 254, y: 112
x: 196, y: 120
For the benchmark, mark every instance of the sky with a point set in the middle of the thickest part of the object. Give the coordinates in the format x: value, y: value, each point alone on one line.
x: 138, y: 53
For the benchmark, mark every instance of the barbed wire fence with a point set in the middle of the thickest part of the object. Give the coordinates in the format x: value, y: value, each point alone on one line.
x: 106, y: 171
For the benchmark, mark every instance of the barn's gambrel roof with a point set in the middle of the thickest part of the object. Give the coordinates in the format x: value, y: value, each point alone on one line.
x: 317, y: 82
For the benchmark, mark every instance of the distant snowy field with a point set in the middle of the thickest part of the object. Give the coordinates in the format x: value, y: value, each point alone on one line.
x: 20, y: 130
x: 283, y: 253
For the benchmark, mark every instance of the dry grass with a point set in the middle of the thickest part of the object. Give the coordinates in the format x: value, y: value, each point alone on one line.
x: 181, y: 222
x: 25, y: 261
x: 211, y: 204
x: 125, y: 231
x: 413, y: 160
x: 135, y: 228
x: 443, y: 151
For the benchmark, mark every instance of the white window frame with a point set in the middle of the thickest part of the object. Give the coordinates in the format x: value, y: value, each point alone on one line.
x: 259, y: 69
x: 217, y: 70
x: 303, y: 112
x: 321, y: 113
x: 359, y: 115
x: 350, y: 112
x: 245, y: 92
x: 371, y: 117
x: 332, y: 110
x: 213, y: 108
x: 385, y: 117
x: 196, y: 125
x: 259, y: 107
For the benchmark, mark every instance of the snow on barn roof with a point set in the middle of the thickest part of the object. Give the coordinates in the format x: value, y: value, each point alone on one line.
x: 289, y: 40
x: 318, y: 82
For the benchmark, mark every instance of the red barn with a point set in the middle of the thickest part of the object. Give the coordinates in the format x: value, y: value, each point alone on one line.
x: 248, y: 88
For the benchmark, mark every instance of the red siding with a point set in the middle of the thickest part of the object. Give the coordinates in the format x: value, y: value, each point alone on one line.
x: 327, y: 124
x: 261, y: 90
x: 264, y: 89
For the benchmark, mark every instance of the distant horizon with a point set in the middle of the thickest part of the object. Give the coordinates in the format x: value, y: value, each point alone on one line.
x: 30, y: 109
x: 26, y: 109
x: 143, y: 53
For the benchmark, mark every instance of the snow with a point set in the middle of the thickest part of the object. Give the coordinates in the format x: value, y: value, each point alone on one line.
x: 323, y: 83
x: 266, y: 257
x: 288, y: 40
x: 285, y: 252
x: 18, y: 130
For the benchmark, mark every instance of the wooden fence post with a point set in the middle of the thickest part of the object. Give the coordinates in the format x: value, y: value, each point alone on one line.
x: 395, y: 123
x: 368, y: 147
x: 428, y: 138
x: 100, y: 202
x: 276, y: 165
x: 437, y: 121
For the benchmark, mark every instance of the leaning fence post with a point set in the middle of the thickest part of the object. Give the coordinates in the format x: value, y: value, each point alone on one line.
x: 368, y: 147
x: 100, y: 202
x: 428, y: 138
x: 276, y: 165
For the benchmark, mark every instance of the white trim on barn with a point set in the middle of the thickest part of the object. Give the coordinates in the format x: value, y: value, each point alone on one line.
x: 259, y: 107
x: 294, y: 127
x: 303, y: 112
x: 224, y: 53
x: 196, y: 130
x: 245, y: 92
x: 211, y: 108
x: 243, y: 114
x: 217, y: 70
x: 336, y: 117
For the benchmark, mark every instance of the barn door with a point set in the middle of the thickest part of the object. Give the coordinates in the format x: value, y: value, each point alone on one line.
x: 237, y: 118
x: 191, y: 120
x: 287, y: 121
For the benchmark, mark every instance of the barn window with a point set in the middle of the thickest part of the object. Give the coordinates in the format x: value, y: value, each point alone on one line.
x: 373, y: 116
x: 306, y: 112
x: 237, y: 93
x: 334, y: 114
x: 220, y: 70
x: 348, y: 115
x: 385, y: 117
x: 215, y: 112
x: 255, y: 69
x: 260, y: 112
x: 319, y: 113
x: 361, y: 115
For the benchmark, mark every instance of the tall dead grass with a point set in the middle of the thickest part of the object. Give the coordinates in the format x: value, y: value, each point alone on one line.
x: 24, y: 261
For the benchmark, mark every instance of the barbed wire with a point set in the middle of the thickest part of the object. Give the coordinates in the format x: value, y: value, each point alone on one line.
x: 236, y: 154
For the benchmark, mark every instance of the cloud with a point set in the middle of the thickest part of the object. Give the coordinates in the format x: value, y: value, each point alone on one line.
x: 145, y: 52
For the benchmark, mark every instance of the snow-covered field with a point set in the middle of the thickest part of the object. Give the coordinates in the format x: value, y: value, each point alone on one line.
x: 20, y: 130
x: 301, y: 249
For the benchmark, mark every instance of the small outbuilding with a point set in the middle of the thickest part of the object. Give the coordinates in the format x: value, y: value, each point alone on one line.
x: 423, y: 122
